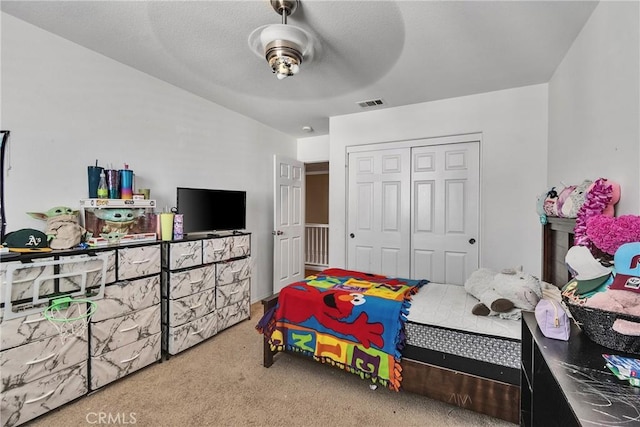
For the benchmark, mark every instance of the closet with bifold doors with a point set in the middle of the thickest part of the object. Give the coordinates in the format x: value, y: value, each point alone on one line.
x: 413, y: 208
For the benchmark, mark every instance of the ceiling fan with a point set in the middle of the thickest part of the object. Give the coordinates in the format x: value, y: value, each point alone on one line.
x: 283, y: 46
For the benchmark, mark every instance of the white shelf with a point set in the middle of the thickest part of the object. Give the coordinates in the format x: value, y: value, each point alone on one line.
x: 117, y: 203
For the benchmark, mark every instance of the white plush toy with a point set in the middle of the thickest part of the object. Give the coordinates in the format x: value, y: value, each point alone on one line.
x: 503, y: 292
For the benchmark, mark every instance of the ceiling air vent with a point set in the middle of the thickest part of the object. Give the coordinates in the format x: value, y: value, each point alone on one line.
x: 371, y: 103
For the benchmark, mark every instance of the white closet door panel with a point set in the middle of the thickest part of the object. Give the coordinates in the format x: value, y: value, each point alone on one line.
x: 363, y: 258
x: 424, y: 206
x: 379, y: 211
x: 390, y: 262
x: 456, y: 267
x: 445, y: 207
x: 423, y: 262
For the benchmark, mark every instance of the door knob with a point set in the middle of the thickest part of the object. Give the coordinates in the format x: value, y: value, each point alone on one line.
x: 472, y: 241
x: 352, y: 235
x: 277, y: 233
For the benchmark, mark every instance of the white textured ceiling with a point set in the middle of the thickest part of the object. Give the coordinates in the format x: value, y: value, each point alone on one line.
x: 404, y: 52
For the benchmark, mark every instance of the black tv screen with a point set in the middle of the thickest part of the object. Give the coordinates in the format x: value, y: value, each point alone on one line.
x: 208, y: 211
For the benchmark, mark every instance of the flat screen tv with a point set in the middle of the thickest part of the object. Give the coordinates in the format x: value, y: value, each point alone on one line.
x: 207, y: 211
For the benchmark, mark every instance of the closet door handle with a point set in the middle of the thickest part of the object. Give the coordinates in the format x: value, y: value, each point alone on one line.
x: 352, y: 235
x: 472, y: 241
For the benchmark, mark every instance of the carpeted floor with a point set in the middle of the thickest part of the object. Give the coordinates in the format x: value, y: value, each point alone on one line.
x: 222, y: 382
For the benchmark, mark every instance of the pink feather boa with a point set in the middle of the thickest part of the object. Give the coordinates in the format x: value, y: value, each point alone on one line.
x: 594, y: 204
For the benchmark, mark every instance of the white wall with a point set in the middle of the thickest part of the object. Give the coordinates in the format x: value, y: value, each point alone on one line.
x: 313, y: 149
x: 513, y: 159
x: 594, y: 105
x: 67, y: 106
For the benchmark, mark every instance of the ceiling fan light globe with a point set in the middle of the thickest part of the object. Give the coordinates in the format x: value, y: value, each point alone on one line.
x: 286, y: 33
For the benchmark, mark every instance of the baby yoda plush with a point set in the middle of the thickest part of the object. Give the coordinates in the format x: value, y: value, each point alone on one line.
x: 118, y: 220
x: 63, y: 230
x: 504, y: 292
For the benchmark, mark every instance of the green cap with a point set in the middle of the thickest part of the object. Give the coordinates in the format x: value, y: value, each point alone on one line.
x: 27, y: 240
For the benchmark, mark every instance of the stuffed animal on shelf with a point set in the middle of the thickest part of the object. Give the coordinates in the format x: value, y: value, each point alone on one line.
x: 575, y: 199
x: 504, y: 293
x: 63, y: 229
x: 549, y: 204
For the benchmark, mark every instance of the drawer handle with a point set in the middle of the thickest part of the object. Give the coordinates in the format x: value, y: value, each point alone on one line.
x: 44, y: 396
x: 197, y: 332
x: 33, y: 362
x: 141, y: 261
x: 195, y: 306
x: 129, y: 329
x: 196, y: 282
x: 132, y: 359
x: 38, y: 320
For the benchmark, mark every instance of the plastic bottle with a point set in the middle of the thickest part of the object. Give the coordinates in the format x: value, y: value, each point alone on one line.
x: 103, y: 191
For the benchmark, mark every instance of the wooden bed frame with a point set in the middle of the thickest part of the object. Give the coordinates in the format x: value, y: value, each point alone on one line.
x: 487, y: 396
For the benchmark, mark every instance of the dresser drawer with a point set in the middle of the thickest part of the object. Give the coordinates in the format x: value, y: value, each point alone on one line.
x: 108, y: 335
x: 191, y: 307
x: 233, y: 293
x: 185, y: 254
x: 233, y: 271
x: 122, y: 361
x: 189, y: 282
x: 138, y: 261
x: 239, y: 246
x: 127, y: 296
x: 18, y: 331
x: 22, y: 404
x: 192, y: 333
x: 215, y: 250
x: 22, y: 279
x: 232, y: 314
x: 26, y: 363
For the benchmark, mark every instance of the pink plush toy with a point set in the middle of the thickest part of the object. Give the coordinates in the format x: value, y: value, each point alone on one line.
x: 615, y: 196
x: 608, y: 234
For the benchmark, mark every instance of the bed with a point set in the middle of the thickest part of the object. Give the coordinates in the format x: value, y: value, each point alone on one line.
x: 453, y: 356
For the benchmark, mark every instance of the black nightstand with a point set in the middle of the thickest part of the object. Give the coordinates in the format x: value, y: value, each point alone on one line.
x: 566, y: 383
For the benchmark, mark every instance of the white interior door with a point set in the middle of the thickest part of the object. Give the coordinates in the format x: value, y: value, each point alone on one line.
x: 288, y: 218
x: 378, y: 224
x: 445, y: 212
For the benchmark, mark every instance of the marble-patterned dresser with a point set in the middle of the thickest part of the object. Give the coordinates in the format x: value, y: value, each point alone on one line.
x: 206, y: 288
x: 39, y: 370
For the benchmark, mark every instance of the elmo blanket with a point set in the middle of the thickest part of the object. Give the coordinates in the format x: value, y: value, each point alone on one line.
x: 350, y: 319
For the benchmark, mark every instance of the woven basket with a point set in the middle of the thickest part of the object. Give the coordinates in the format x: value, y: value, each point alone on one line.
x: 597, y: 325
